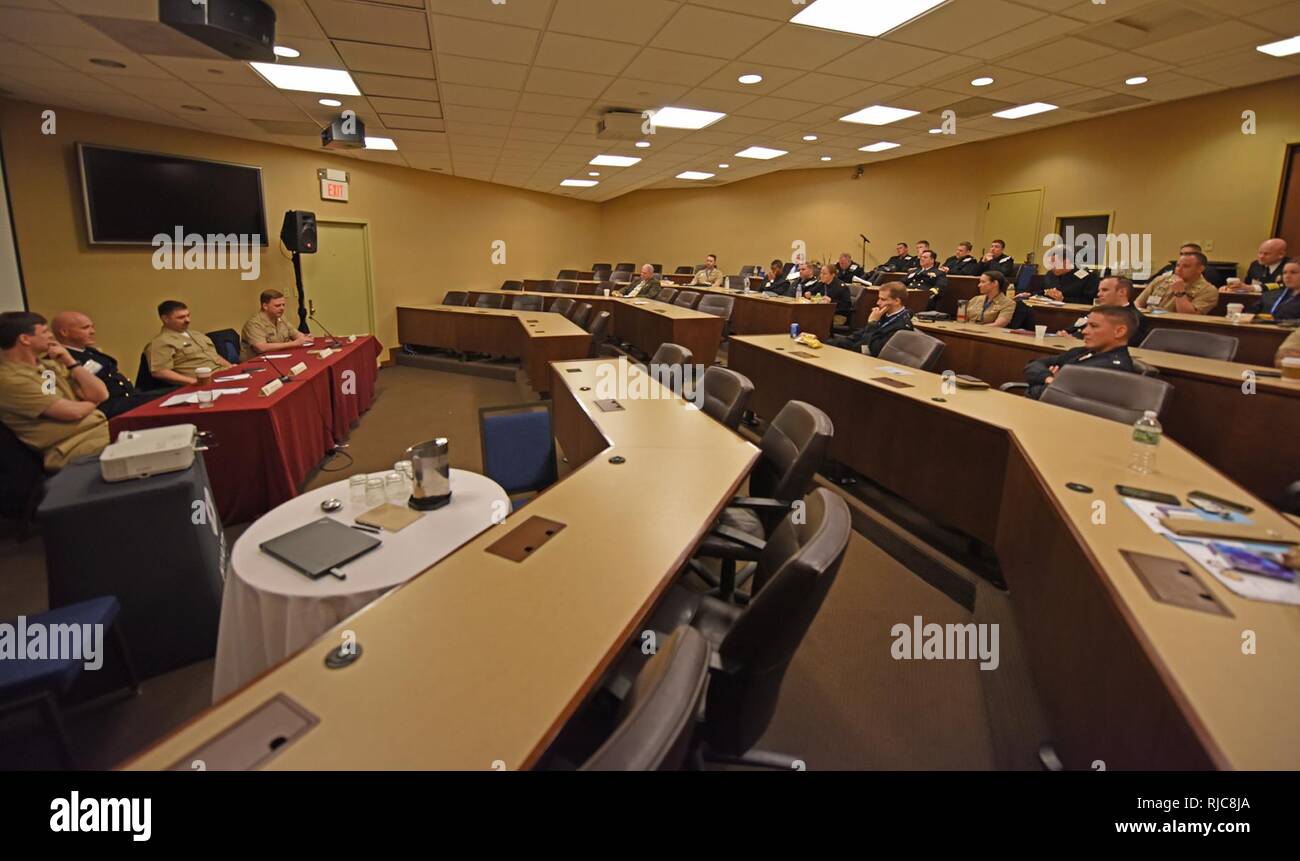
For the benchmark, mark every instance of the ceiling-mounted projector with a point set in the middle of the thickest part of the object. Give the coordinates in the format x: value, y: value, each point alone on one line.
x: 344, y: 132
x: 620, y: 126
x: 239, y: 29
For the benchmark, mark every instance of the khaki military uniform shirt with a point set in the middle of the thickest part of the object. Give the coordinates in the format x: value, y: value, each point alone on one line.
x: 26, y: 391
x: 1158, y: 294
x: 997, y: 311
x: 182, y: 352
x: 707, y: 278
x: 1291, y: 346
x: 260, y: 330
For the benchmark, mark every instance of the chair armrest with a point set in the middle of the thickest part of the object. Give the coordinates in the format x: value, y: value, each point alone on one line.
x: 761, y: 503
x: 744, y: 539
x: 1014, y: 387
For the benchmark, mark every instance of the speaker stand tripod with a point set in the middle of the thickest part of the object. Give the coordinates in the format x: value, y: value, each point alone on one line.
x: 302, y: 298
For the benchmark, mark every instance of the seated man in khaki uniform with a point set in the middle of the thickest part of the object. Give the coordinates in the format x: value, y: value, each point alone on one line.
x: 1184, y: 290
x: 710, y: 275
x: 47, y: 398
x: 175, y: 353
x: 992, y: 307
x: 266, y: 331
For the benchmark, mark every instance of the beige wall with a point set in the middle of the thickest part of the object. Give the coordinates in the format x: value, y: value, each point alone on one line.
x: 428, y: 233
x: 1181, y: 171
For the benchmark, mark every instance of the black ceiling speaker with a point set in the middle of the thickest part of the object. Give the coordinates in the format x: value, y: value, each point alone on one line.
x: 239, y: 29
x: 298, y: 233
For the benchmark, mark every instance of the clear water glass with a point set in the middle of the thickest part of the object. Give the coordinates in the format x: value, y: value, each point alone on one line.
x: 375, y: 491
x: 357, y: 488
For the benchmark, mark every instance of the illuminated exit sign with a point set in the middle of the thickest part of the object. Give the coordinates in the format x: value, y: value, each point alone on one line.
x: 333, y: 184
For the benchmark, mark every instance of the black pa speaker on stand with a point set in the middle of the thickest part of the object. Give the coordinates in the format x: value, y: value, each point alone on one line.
x: 298, y: 233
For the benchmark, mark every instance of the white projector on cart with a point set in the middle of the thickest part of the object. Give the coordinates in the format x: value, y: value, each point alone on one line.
x: 142, y: 453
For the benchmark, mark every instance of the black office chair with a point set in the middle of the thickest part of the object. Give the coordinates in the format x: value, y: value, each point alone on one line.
x: 567, y: 275
x: 569, y: 287
x: 1022, y: 318
x: 1290, y: 502
x: 668, y: 365
x: 684, y: 270
x: 144, y: 380
x: 667, y: 294
x: 621, y: 277
x: 746, y: 271
x: 913, y: 349
x: 724, y: 395
x: 227, y: 343
x: 855, y: 297
x: 1190, y: 343
x: 22, y: 481
x: 793, y: 449
x: 527, y: 302
x: 717, y: 305
x: 581, y: 311
x: 599, y: 330
x: 509, y: 285
x: 455, y: 297
x: 657, y: 718
x: 796, y: 568
x: 597, y: 267
x: 489, y: 300
x: 1115, y: 395
x: 563, y: 305
x: 687, y: 298
x: 625, y: 267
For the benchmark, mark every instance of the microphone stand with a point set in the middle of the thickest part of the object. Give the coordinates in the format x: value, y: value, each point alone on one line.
x: 333, y: 342
x: 284, y: 378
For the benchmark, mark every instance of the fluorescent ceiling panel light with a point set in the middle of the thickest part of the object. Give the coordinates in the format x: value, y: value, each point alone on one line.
x: 308, y: 79
x: 878, y: 115
x: 1025, y: 110
x: 881, y: 146
x: 862, y: 17
x: 1284, y: 48
x: 684, y: 118
x: 380, y: 143
x: 615, y: 160
x: 580, y: 183
x: 694, y: 175
x: 760, y: 152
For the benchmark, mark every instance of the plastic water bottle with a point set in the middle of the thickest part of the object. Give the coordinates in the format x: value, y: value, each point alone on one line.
x: 1146, y: 436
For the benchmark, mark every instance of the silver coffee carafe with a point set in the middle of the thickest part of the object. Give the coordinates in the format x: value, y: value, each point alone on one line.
x: 430, y: 464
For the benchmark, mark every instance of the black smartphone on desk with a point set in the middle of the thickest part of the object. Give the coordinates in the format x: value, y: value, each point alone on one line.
x: 1148, y: 495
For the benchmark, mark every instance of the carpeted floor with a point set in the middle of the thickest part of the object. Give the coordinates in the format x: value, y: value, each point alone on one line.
x: 846, y: 703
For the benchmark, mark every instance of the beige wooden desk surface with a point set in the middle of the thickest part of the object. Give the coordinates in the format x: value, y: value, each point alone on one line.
x: 1212, y: 321
x: 548, y: 325
x: 1249, y: 704
x: 481, y: 659
x: 1231, y: 372
x: 756, y: 296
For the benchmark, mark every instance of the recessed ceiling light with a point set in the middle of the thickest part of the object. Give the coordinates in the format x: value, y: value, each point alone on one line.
x: 826, y: 158
x: 864, y: 19
x: 760, y: 152
x: 750, y: 79
x: 936, y: 131
x: 724, y: 166
x: 107, y: 64
x: 1135, y: 80
x: 380, y: 143
x: 878, y: 115
x: 1284, y: 48
x: 331, y: 103
x: 684, y: 118
x: 642, y: 144
x: 694, y: 175
x: 881, y: 146
x: 308, y: 79
x: 285, y: 51
x: 981, y: 82
x: 810, y: 138
x: 579, y: 183
x: 615, y: 160
x: 194, y: 107
x: 1025, y: 110
x: 593, y: 173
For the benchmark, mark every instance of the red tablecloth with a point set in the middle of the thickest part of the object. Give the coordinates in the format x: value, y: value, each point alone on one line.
x: 265, y: 447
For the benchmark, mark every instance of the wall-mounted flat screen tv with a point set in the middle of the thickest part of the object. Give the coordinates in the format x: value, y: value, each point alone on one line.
x: 132, y: 196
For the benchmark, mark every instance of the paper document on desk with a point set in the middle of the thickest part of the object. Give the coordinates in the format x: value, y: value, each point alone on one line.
x: 1255, y: 587
x: 897, y: 372
x: 858, y: 279
x: 231, y: 378
x: 277, y: 355
x: 193, y: 397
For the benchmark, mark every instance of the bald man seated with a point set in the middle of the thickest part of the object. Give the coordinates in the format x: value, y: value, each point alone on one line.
x: 1267, y: 268
x: 76, y: 332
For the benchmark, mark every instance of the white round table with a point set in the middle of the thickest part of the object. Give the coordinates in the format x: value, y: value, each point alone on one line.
x: 269, y: 610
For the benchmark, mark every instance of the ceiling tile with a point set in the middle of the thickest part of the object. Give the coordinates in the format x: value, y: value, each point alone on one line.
x: 465, y: 38
x: 371, y: 22
x: 384, y: 59
x: 539, y: 103
x: 1061, y: 54
x: 396, y: 86
x: 713, y: 32
x: 601, y: 19
x: 795, y: 47
x: 672, y: 67
x: 410, y: 107
x: 482, y: 73
x: 559, y: 82
x: 479, y: 97
x: 53, y: 28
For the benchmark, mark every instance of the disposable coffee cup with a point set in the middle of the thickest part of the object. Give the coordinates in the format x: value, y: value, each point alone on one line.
x: 1040, y: 332
x: 1235, y: 308
x: 607, y: 291
x: 203, y: 376
x: 1291, y: 368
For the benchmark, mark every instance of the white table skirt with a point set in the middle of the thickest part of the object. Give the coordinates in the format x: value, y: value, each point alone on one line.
x: 269, y: 611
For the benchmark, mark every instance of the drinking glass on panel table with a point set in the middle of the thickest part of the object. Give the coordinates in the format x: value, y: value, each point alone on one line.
x: 357, y: 488
x: 961, y: 311
x: 408, y: 473
x: 205, y: 398
x: 375, y: 491
x: 395, y: 488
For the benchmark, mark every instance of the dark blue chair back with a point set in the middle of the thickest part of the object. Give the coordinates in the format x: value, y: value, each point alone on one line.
x: 518, y: 447
x: 1025, y: 277
x: 227, y: 343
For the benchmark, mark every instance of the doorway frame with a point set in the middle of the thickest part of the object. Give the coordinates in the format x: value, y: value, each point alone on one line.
x: 369, y: 262
x: 1038, y: 219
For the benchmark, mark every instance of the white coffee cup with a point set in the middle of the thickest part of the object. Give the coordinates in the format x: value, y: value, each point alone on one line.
x: 607, y: 291
x: 1235, y: 308
x: 1040, y: 332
